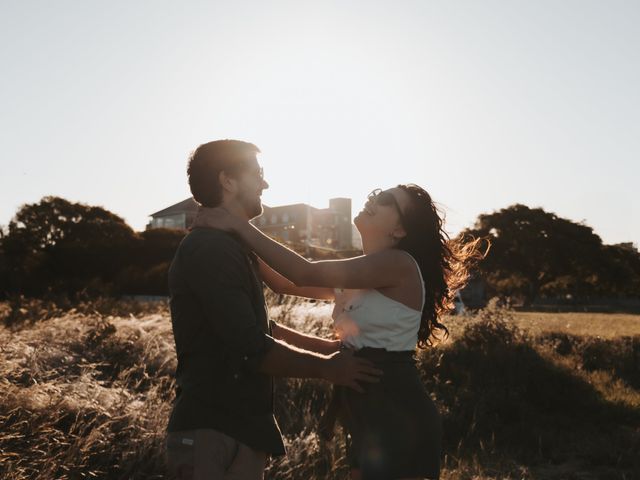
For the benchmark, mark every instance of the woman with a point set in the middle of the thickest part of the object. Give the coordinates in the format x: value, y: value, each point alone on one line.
x: 387, y: 303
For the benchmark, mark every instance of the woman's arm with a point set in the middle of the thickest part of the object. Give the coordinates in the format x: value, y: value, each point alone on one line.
x: 280, y: 284
x: 305, y: 342
x: 387, y: 268
x: 381, y: 269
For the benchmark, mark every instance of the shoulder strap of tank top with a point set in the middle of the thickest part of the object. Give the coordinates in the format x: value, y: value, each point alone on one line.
x: 424, y: 292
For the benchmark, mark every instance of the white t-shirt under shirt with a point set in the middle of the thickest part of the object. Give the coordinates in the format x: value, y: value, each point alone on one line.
x: 368, y: 318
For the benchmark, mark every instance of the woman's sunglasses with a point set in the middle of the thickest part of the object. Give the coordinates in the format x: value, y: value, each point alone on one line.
x: 382, y: 197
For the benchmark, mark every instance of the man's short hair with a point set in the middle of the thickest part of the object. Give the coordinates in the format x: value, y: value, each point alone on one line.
x: 208, y: 160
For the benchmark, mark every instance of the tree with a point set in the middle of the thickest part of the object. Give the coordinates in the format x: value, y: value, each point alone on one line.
x: 147, y: 272
x: 54, y: 220
x: 622, y: 274
x: 57, y: 244
x: 536, y: 252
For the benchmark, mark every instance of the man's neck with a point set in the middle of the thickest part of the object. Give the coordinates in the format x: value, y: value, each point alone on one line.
x: 236, y: 210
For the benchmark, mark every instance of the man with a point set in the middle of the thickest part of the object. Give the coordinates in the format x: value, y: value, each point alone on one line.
x: 222, y: 424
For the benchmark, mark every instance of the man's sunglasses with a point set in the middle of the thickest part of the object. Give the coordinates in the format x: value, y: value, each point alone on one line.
x: 259, y: 173
x: 382, y: 197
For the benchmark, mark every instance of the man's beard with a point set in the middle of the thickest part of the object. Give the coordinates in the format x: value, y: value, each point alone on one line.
x: 251, y: 204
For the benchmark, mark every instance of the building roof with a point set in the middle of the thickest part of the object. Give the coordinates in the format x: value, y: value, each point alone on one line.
x: 188, y: 205
x: 285, y: 207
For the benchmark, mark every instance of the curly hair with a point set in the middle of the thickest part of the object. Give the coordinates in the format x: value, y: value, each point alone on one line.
x: 445, y: 263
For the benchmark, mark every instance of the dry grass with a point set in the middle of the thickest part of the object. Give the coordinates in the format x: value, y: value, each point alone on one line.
x: 85, y: 392
x: 85, y: 396
x: 603, y: 325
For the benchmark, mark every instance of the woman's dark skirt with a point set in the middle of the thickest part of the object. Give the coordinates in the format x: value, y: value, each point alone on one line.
x: 394, y: 429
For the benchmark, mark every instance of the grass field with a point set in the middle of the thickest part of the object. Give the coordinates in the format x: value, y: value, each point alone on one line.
x: 603, y: 325
x: 86, y: 389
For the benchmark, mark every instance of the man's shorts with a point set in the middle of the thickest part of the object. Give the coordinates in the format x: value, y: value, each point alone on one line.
x: 206, y: 454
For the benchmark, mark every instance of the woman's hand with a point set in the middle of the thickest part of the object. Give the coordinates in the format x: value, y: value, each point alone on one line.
x: 216, y: 217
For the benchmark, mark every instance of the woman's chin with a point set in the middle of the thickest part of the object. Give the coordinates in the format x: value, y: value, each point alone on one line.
x: 361, y: 223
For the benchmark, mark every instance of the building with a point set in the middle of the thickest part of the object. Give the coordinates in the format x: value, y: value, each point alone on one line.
x: 303, y: 224
x: 329, y: 228
x: 178, y: 216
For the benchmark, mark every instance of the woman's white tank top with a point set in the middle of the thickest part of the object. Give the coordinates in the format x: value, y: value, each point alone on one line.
x: 368, y: 318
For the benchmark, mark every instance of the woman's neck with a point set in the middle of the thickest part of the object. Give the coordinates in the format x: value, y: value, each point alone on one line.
x: 373, y: 245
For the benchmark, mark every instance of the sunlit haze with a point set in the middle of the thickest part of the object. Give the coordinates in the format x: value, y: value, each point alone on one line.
x: 484, y: 104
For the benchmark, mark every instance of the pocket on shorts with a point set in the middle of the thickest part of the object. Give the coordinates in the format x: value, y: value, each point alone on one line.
x: 180, y: 450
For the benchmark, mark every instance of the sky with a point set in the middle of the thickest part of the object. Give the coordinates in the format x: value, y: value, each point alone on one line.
x: 484, y: 104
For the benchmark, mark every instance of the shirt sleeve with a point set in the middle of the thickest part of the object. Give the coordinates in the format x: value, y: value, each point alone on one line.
x: 221, y: 283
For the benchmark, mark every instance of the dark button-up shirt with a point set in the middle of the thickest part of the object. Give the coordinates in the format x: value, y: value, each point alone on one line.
x: 222, y: 332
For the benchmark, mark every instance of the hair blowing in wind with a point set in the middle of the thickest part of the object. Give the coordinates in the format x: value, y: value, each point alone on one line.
x: 445, y: 263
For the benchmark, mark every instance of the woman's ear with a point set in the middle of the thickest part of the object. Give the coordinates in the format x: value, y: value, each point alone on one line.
x: 398, y: 233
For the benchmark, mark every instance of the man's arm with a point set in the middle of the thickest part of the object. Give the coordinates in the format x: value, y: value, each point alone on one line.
x: 341, y: 368
x: 219, y: 281
x: 219, y: 277
x: 304, y: 341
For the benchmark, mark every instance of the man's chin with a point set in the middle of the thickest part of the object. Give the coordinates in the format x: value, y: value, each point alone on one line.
x: 257, y: 211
